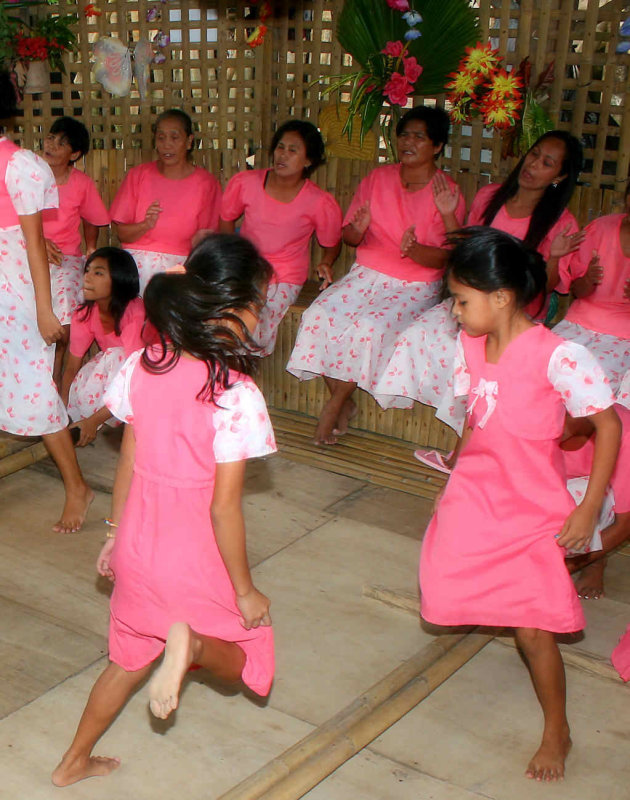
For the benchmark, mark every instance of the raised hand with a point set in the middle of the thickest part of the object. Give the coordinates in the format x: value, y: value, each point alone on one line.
x: 446, y: 196
x: 408, y: 241
x: 362, y: 218
x: 565, y: 242
x: 595, y: 271
x: 152, y: 214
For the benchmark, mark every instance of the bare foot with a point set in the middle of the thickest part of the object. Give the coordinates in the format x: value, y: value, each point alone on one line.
x: 590, y: 584
x: 75, y: 510
x: 548, y: 762
x: 166, y: 682
x: 324, y: 432
x: 348, y: 412
x: 70, y: 770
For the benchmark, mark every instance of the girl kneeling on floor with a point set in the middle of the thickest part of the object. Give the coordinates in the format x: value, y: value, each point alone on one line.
x: 178, y: 561
x: 493, y: 553
x: 112, y: 315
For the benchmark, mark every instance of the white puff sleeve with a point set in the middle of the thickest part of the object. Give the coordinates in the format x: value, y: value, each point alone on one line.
x: 574, y: 372
x: 30, y: 183
x: 117, y: 397
x: 242, y: 424
x: 461, y: 375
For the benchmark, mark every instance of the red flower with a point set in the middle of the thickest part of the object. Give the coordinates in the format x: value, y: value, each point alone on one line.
x: 413, y: 70
x: 394, y: 49
x: 92, y: 11
x: 398, y: 5
x: 397, y: 89
x: 257, y: 36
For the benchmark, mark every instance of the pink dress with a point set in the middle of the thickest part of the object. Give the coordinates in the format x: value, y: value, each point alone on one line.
x: 29, y: 402
x: 188, y: 205
x: 166, y: 561
x: 78, y: 199
x: 621, y: 656
x: 88, y: 388
x: 601, y: 321
x: 419, y: 367
x: 282, y: 233
x: 489, y: 556
x: 348, y: 329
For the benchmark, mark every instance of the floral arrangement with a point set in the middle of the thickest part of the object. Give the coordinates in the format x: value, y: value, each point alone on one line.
x: 46, y: 38
x: 533, y: 120
x: 481, y: 86
x: 256, y: 36
x: 404, y: 49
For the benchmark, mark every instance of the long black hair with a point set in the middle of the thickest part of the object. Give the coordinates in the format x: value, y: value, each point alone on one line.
x: 555, y: 198
x: 197, y: 311
x: 488, y: 259
x: 125, y: 283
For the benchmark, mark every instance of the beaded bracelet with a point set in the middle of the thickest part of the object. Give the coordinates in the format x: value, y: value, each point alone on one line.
x: 110, y: 524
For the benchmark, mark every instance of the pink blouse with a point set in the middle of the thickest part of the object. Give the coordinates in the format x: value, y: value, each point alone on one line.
x: 393, y: 209
x: 85, y: 331
x: 78, y: 199
x: 282, y: 231
x: 188, y: 205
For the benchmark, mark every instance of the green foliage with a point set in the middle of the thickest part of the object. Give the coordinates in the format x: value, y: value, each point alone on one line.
x: 534, y: 122
x: 58, y: 29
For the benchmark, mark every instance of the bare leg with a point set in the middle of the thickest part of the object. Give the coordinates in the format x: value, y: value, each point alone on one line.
x: 109, y: 694
x: 547, y: 671
x: 78, y: 493
x: 60, y: 351
x: 183, y: 646
x: 340, y: 392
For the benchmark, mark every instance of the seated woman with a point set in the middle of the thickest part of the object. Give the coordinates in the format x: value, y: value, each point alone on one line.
x: 80, y: 205
x: 577, y: 449
x: 398, y: 231
x: 281, y: 210
x: 165, y: 204
x: 531, y: 204
x: 599, y: 317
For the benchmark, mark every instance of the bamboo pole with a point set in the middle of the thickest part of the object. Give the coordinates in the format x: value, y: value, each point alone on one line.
x: 23, y: 458
x: 313, y: 758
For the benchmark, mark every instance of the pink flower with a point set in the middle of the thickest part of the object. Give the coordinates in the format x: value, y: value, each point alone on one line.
x: 398, y: 5
x: 413, y: 70
x: 397, y: 88
x: 393, y: 49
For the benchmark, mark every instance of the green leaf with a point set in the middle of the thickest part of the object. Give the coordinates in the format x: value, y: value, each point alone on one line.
x: 534, y: 122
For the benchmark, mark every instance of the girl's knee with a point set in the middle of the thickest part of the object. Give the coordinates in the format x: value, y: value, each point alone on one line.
x: 531, y: 639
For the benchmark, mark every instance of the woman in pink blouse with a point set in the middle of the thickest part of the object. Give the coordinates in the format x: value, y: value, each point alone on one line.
x: 161, y: 206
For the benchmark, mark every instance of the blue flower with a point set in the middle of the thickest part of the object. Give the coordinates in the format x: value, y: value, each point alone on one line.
x: 622, y: 47
x: 625, y: 27
x: 412, y: 18
x: 412, y: 34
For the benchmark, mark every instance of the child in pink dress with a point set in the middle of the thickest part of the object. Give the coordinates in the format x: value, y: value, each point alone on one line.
x: 29, y: 402
x: 599, y: 317
x: 281, y: 210
x: 531, y: 205
x: 178, y: 561
x: 112, y: 315
x: 79, y: 202
x: 398, y: 231
x: 162, y: 206
x: 493, y: 553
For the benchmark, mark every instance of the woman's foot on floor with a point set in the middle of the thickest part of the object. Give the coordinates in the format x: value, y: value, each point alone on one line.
x: 75, y: 510
x: 590, y: 582
x: 548, y: 762
x: 71, y: 770
x: 165, y: 684
x: 324, y: 433
x: 348, y: 412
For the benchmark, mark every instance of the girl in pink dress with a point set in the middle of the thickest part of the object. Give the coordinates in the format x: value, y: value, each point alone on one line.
x: 161, y: 207
x: 79, y: 202
x: 29, y: 402
x: 281, y: 210
x: 621, y: 656
x: 493, y: 553
x: 599, y: 317
x: 112, y: 315
x: 177, y: 558
x: 398, y: 230
x: 530, y: 204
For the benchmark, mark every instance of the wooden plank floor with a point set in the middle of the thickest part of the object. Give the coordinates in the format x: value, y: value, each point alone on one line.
x: 370, y: 457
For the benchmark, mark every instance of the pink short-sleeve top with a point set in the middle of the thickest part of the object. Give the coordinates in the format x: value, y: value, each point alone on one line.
x: 188, y: 205
x: 27, y: 185
x: 84, y: 331
x: 78, y: 199
x: 518, y: 227
x: 393, y: 210
x: 578, y: 463
x: 606, y: 310
x: 282, y: 231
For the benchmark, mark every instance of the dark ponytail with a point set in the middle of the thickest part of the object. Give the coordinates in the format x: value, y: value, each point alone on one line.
x: 487, y: 259
x: 197, y: 312
x: 555, y: 198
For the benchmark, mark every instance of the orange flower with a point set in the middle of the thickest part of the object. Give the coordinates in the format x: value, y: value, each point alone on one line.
x: 480, y: 58
x: 463, y: 82
x: 501, y: 114
x: 257, y: 36
x: 505, y: 84
x: 92, y: 11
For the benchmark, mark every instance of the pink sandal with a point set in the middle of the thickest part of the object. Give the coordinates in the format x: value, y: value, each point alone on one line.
x: 433, y: 459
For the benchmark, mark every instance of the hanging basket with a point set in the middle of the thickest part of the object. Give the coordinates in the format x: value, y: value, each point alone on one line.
x: 37, y: 77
